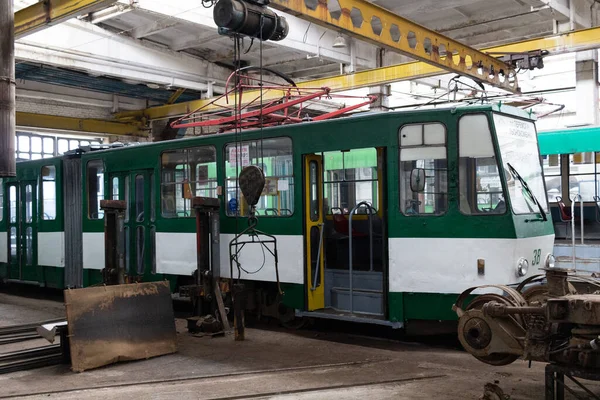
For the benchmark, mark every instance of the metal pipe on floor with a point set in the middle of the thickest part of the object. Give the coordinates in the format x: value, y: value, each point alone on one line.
x: 7, y: 90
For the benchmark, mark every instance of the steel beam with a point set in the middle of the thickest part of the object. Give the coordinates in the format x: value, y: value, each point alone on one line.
x: 586, y: 39
x: 7, y: 91
x: 81, y: 125
x: 51, y: 12
x: 377, y: 25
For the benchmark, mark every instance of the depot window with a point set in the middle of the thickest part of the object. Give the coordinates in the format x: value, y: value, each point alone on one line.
x: 423, y: 151
x: 48, y: 203
x: 95, y: 188
x: 186, y: 173
x: 479, y: 177
x: 583, y: 175
x: 275, y: 157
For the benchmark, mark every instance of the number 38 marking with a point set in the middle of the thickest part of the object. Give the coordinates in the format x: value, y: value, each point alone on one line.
x: 536, y: 257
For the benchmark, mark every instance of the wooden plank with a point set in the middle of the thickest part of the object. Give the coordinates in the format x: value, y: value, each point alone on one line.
x: 219, y: 296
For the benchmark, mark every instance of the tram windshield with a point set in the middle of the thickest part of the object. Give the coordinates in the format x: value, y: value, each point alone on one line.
x: 517, y: 139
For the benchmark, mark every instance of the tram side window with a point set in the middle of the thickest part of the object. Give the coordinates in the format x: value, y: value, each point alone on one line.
x: 275, y: 157
x: 479, y: 178
x: 423, y: 150
x: 187, y: 173
x: 552, y: 175
x: 583, y: 175
x: 48, y: 203
x: 1, y: 199
x: 350, y: 177
x: 95, y: 188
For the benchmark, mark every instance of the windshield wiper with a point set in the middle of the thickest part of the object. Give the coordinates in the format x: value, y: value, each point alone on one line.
x: 516, y: 175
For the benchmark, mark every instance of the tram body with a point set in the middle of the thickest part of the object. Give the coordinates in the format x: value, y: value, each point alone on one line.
x: 413, y: 247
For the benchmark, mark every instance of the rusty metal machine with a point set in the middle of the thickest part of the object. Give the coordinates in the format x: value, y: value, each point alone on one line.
x: 552, y: 318
x: 206, y: 293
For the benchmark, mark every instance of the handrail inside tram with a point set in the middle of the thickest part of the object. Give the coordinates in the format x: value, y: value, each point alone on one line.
x: 350, y: 253
x: 318, y: 269
x: 573, y: 201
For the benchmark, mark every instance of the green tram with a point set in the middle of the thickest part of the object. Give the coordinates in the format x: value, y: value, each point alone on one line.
x: 440, y: 200
x: 571, y: 160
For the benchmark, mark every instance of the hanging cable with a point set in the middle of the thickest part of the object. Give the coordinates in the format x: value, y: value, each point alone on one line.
x: 238, y: 145
x: 262, y: 160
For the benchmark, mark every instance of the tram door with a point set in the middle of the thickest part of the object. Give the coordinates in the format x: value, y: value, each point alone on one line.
x: 345, y: 232
x: 137, y: 189
x: 22, y: 230
x: 314, y: 226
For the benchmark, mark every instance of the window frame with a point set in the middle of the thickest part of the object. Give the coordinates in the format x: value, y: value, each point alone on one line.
x: 374, y: 181
x: 42, y: 199
x: 175, y: 183
x: 554, y: 175
x: 236, y: 179
x: 498, y: 165
x: 2, y: 200
x: 87, y: 189
x: 596, y: 174
x: 400, y: 147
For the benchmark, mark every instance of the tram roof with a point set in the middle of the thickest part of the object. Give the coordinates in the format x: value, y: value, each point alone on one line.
x: 569, y: 141
x: 496, y: 107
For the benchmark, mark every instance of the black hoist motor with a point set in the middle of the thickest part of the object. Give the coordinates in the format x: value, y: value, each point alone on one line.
x: 249, y: 18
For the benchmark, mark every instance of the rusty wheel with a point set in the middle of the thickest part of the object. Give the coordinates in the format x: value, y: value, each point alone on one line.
x: 478, y: 333
x: 536, y: 295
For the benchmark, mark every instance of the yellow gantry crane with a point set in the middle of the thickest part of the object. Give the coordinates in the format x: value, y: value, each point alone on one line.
x: 586, y: 39
x: 369, y: 22
x: 51, y: 12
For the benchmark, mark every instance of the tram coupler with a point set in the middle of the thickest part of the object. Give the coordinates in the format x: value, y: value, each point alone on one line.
x: 114, y: 241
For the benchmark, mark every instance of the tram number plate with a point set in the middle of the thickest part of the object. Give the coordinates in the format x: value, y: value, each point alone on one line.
x: 536, y: 257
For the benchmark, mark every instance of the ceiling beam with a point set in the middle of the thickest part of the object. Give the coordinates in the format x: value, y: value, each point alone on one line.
x: 191, y: 41
x: 86, y: 47
x: 381, y: 27
x: 303, y: 36
x: 143, y: 31
x: 79, y: 125
x: 563, y: 7
x: 51, y: 12
x: 109, y: 13
x: 560, y: 44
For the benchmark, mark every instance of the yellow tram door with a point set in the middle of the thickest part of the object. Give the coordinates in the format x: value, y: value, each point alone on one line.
x: 314, y: 224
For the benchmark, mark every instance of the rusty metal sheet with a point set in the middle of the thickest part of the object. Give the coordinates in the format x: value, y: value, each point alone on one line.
x: 108, y: 324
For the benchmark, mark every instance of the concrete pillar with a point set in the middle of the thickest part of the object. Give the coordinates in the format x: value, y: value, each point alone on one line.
x: 586, y: 87
x: 383, y: 92
x: 7, y: 89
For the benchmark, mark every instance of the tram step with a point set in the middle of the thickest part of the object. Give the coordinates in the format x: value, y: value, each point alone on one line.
x: 364, y: 300
x: 581, y: 264
x: 587, y: 257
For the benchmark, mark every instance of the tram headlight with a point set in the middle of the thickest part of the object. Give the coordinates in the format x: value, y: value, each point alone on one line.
x: 550, y: 261
x: 522, y: 267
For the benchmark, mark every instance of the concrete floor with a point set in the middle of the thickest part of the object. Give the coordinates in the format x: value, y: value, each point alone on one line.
x: 272, y: 364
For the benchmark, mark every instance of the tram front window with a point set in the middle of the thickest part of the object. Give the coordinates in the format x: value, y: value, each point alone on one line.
x: 521, y: 162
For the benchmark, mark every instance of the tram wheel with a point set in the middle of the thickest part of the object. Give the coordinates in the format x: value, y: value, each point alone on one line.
x: 288, y: 319
x: 497, y: 359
